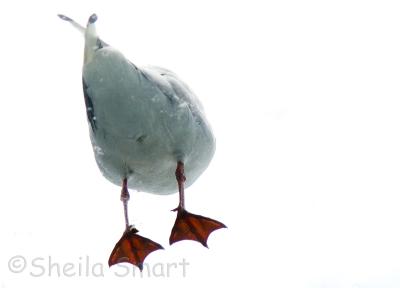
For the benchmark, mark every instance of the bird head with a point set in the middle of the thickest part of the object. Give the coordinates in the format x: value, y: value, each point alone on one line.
x: 92, y: 40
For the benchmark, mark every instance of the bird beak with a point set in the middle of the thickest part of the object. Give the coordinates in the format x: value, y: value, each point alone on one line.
x: 73, y: 23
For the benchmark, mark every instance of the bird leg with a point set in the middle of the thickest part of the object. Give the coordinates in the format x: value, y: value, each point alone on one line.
x: 190, y: 226
x: 131, y: 248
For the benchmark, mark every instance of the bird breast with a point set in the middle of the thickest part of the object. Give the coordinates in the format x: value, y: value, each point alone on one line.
x: 141, y: 125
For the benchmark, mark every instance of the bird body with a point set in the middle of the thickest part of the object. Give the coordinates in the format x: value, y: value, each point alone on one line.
x: 143, y: 121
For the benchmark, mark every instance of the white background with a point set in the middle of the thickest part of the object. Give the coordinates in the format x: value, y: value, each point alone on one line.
x: 303, y: 97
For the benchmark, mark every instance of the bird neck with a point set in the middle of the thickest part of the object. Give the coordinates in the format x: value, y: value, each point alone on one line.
x: 91, y: 39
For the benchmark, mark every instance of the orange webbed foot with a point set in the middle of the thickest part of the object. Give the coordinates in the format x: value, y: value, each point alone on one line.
x: 132, y: 248
x: 190, y: 226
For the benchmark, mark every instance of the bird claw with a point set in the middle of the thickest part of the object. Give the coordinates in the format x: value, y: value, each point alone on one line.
x: 190, y: 226
x: 132, y: 248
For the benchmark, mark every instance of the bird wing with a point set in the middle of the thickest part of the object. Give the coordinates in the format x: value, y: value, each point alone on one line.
x: 172, y: 87
x: 89, y: 106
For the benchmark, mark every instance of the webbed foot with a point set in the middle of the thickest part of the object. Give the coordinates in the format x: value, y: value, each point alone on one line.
x: 132, y: 248
x: 190, y: 226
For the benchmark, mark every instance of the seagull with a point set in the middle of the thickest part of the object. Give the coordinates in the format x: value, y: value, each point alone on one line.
x: 149, y: 133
